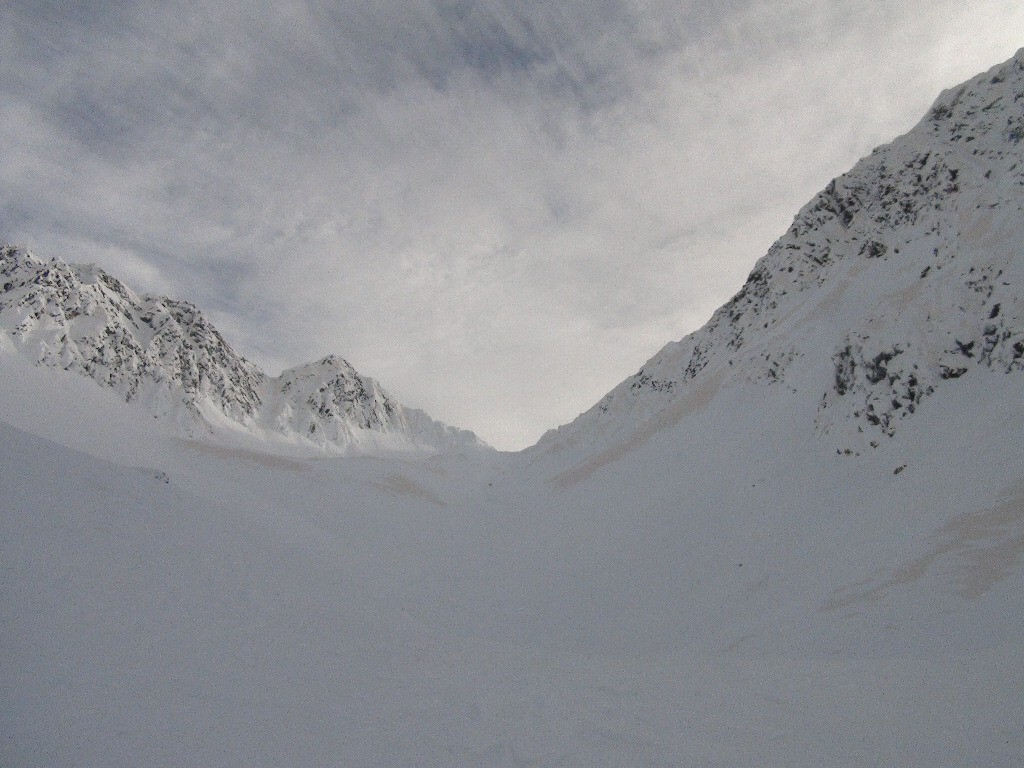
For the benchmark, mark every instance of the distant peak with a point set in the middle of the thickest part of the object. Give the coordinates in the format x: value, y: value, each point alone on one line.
x: 334, y: 361
x: 330, y: 365
x: 163, y: 354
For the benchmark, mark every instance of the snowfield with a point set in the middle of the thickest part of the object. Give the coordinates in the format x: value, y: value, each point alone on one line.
x: 794, y: 538
x: 171, y: 603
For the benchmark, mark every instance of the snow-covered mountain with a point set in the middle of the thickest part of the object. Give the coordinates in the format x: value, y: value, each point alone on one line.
x: 900, y: 276
x: 795, y: 538
x: 164, y: 355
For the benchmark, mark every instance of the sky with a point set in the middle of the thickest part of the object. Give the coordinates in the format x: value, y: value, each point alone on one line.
x: 498, y: 209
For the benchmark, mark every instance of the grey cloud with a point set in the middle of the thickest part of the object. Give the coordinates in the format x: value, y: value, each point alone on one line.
x: 125, y: 67
x: 499, y: 209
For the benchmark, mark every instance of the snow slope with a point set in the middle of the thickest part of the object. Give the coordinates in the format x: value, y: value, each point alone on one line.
x: 769, y: 548
x: 180, y: 603
x: 164, y: 355
x: 901, y: 276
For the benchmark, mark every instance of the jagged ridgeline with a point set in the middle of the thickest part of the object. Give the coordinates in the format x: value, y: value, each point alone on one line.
x: 901, y: 276
x: 164, y: 355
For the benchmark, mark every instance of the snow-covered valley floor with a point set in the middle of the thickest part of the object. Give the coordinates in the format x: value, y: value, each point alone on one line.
x: 737, y: 600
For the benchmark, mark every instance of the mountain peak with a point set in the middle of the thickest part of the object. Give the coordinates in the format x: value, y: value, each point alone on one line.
x: 165, y: 355
x: 903, y: 274
x: 333, y: 361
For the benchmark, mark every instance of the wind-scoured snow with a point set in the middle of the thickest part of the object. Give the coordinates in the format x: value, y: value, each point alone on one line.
x: 164, y: 355
x: 795, y: 538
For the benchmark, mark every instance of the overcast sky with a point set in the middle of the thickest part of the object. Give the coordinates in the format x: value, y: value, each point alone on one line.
x: 499, y: 209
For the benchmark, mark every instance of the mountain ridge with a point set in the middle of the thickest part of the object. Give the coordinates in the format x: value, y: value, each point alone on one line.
x: 163, y: 354
x: 916, y: 227
x: 924, y: 231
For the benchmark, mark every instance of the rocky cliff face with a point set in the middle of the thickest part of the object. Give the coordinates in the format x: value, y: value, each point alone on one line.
x: 900, y: 276
x: 81, y: 319
x: 164, y: 355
